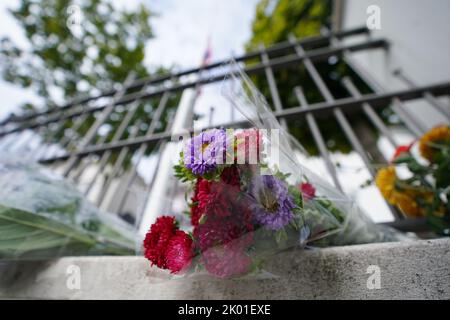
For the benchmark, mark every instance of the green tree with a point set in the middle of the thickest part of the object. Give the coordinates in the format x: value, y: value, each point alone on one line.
x: 274, y: 21
x: 61, y: 63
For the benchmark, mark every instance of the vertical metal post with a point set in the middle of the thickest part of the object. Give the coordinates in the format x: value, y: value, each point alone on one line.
x: 317, y: 136
x: 371, y: 114
x: 98, y: 122
x: 414, y: 127
x: 117, y: 135
x: 117, y: 165
x: 272, y: 83
x: 342, y: 120
x: 143, y: 148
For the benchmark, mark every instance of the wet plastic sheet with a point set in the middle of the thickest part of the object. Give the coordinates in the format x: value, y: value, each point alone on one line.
x: 43, y: 216
x: 249, y: 198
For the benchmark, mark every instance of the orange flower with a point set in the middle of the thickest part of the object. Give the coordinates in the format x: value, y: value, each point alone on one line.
x: 437, y: 135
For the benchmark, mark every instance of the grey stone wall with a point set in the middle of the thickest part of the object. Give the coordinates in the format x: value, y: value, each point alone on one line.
x: 407, y: 270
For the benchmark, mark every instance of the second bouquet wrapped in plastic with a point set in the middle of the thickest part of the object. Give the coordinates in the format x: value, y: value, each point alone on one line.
x: 250, y: 198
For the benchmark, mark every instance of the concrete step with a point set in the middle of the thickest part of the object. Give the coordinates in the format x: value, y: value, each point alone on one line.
x: 406, y: 270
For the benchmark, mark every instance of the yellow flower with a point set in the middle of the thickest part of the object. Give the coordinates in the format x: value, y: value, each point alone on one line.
x: 436, y: 135
x: 408, y: 205
x: 385, y: 181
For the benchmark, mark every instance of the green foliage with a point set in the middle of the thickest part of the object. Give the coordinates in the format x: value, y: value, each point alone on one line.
x: 300, y: 17
x: 182, y: 173
x: 110, y: 44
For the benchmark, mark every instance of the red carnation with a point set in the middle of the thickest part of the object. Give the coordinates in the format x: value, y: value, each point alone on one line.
x: 157, y: 240
x: 401, y: 149
x: 204, y: 190
x: 308, y: 190
x: 180, y: 251
x: 220, y: 199
x: 214, y: 198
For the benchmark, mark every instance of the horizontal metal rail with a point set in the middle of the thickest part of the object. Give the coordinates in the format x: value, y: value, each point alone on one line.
x: 277, y: 63
x: 318, y: 109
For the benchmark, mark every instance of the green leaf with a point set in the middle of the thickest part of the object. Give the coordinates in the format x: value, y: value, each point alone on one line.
x: 404, y: 158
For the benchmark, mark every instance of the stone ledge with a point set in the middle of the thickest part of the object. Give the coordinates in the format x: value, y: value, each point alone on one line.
x: 409, y: 270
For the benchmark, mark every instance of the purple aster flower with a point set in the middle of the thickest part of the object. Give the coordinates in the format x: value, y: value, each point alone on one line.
x: 202, y: 152
x: 270, y: 201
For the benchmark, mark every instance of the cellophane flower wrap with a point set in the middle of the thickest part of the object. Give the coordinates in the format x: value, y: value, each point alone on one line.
x: 250, y: 198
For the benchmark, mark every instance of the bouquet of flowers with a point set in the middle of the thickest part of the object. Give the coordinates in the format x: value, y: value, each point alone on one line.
x: 424, y: 190
x: 250, y: 198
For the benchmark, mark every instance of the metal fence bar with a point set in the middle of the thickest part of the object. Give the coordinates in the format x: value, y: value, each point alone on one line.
x: 341, y: 118
x: 140, y: 214
x: 98, y: 122
x: 84, y: 163
x: 343, y: 121
x: 144, y: 147
x: 117, y: 165
x: 370, y: 113
x: 414, y: 126
x: 12, y: 141
x: 397, y: 106
x: 277, y: 63
x: 373, y: 117
x: 319, y: 109
x: 318, y: 139
x: 276, y: 48
x: 117, y: 135
x: 45, y: 147
x: 65, y: 141
x: 272, y: 84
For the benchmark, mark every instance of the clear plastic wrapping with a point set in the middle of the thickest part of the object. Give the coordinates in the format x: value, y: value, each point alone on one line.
x: 249, y: 198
